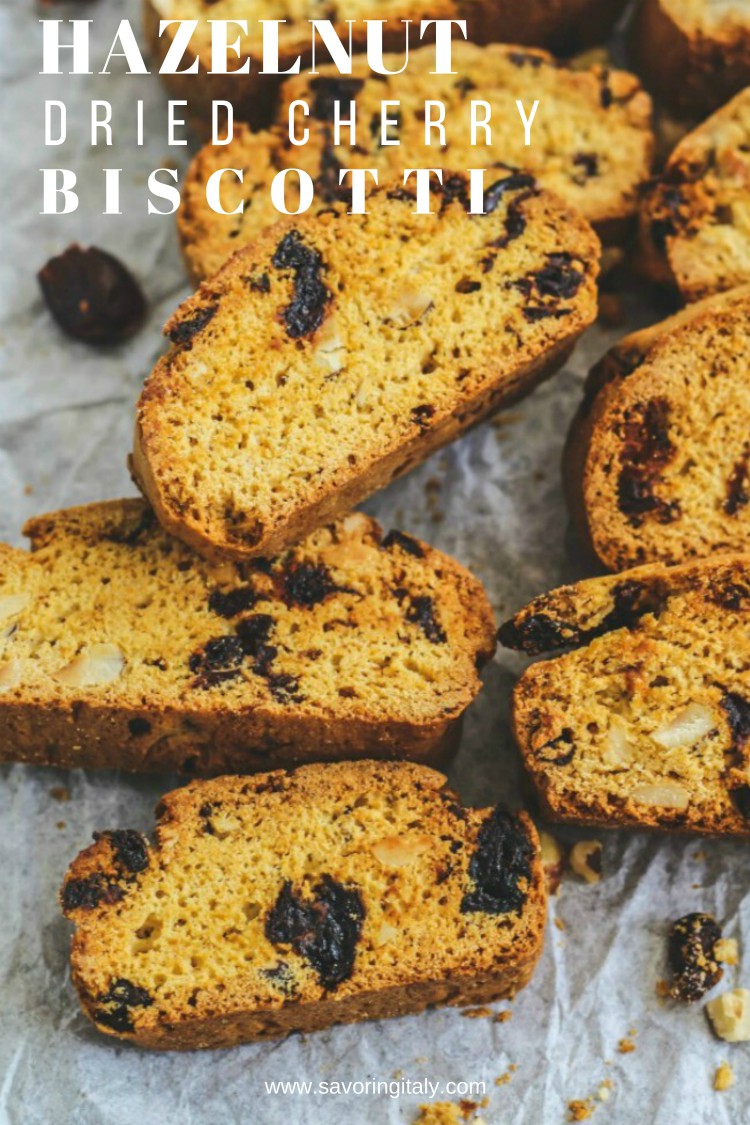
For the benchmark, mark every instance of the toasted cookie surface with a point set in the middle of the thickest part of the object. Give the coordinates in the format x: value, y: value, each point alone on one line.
x: 657, y: 462
x: 597, y: 162
x: 645, y: 720
x: 295, y: 901
x: 122, y: 648
x: 695, y: 218
x: 328, y: 358
x: 695, y: 54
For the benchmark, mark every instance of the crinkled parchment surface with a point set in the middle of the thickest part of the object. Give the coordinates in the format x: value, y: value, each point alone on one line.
x: 494, y: 501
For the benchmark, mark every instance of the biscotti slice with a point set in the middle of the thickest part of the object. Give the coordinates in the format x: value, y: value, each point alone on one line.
x: 122, y: 648
x: 645, y: 720
x: 290, y: 902
x: 695, y: 219
x: 328, y: 358
x: 563, y: 25
x: 695, y: 54
x: 657, y: 464
x: 597, y: 162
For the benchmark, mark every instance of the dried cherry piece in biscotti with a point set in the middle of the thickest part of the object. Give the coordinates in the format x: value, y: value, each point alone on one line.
x: 218, y: 660
x: 324, y: 930
x: 92, y: 295
x: 230, y: 603
x: 501, y: 860
x: 122, y: 996
x: 329, y: 91
x: 516, y: 181
x: 538, y: 633
x: 737, y: 710
x: 254, y: 631
x: 692, y: 956
x: 129, y: 846
x: 88, y: 893
x: 307, y: 584
x: 305, y: 312
x: 421, y: 612
x: 396, y: 538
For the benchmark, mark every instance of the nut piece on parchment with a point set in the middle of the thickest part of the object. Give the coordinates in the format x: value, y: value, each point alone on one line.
x: 553, y: 861
x: 692, y: 956
x: 724, y: 1077
x: 730, y: 1015
x: 586, y: 860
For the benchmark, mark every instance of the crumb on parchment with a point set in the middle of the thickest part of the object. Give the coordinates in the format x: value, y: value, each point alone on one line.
x: 724, y: 1077
x: 579, y: 1110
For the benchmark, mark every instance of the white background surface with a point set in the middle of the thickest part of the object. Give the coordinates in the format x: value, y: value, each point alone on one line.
x: 65, y: 424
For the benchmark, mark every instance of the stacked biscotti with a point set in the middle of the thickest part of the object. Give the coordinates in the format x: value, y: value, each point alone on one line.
x: 562, y: 25
x: 242, y: 618
x: 597, y: 162
x: 246, y: 619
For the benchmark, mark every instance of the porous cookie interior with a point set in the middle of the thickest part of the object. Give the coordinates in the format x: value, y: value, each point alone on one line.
x: 280, y: 888
x: 110, y: 609
x: 700, y: 212
x: 667, y: 473
x: 650, y: 723
x: 595, y: 163
x: 321, y: 350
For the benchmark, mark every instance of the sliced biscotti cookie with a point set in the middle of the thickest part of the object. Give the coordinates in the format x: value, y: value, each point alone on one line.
x: 597, y: 162
x: 122, y: 648
x: 695, y: 54
x: 290, y: 902
x: 328, y: 358
x: 645, y: 720
x: 695, y: 218
x: 657, y: 463
x: 564, y: 25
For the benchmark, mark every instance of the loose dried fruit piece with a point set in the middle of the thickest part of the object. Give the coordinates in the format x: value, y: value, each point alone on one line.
x: 92, y: 295
x: 586, y: 860
x: 692, y: 956
x: 324, y: 930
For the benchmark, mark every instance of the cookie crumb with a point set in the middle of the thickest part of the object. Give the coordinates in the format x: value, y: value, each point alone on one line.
x: 503, y: 1017
x: 625, y: 1046
x: 724, y: 1077
x: 559, y: 924
x: 580, y: 1110
x: 604, y: 1092
x: 727, y: 951
x: 60, y: 793
x: 477, y: 1013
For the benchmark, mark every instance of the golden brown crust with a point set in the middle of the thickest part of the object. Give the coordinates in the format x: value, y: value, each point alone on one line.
x: 375, y: 315
x: 396, y: 858
x: 694, y: 62
x: 694, y: 226
x: 644, y: 720
x: 657, y: 462
x: 111, y: 670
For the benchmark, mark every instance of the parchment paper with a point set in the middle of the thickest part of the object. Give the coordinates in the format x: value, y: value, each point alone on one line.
x: 494, y: 501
